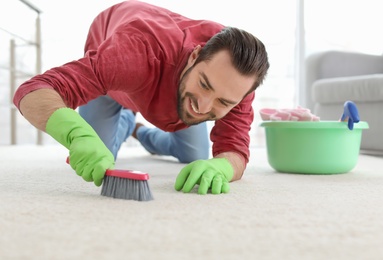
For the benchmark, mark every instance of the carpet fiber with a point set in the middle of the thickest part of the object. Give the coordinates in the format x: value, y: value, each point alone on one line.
x: 48, y: 212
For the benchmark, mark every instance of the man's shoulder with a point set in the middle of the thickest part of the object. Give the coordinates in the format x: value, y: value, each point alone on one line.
x: 158, y: 18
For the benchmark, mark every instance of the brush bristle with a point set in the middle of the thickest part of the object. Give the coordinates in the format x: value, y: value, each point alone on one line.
x: 128, y: 189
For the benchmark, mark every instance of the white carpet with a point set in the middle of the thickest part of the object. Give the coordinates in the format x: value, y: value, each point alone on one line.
x: 48, y: 212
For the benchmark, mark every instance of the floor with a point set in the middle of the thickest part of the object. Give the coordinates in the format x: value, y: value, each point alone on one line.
x: 48, y: 212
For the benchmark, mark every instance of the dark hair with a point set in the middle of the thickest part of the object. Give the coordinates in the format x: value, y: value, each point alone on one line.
x: 248, y: 54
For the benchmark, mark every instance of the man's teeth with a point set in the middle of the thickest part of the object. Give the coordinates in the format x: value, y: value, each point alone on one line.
x: 194, y: 108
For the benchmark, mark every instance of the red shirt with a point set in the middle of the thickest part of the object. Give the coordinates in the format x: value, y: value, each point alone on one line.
x: 135, y: 53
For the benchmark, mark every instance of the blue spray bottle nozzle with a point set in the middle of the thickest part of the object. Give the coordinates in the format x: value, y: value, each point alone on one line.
x: 350, y: 114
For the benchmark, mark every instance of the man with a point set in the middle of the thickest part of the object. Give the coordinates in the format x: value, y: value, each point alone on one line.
x: 177, y: 72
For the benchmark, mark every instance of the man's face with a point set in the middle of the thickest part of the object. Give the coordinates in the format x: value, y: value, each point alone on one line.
x: 210, y: 89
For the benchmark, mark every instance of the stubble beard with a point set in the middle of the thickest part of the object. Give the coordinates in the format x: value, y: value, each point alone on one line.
x: 185, y: 116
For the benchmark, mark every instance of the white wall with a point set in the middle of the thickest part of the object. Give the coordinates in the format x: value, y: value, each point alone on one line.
x: 344, y: 25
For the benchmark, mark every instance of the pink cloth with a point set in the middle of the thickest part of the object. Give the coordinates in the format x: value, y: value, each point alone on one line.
x: 295, y: 114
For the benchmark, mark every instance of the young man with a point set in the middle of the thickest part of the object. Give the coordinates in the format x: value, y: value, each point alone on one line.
x: 177, y: 72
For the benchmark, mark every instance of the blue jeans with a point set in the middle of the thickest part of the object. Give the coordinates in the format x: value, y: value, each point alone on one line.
x: 114, y: 125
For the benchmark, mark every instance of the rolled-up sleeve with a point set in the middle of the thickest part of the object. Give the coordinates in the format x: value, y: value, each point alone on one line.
x: 121, y: 63
x: 231, y: 133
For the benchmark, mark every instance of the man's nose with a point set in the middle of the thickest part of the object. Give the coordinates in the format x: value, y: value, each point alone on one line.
x: 205, y: 104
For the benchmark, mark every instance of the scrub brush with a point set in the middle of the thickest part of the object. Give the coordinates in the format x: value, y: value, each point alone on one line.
x: 126, y: 184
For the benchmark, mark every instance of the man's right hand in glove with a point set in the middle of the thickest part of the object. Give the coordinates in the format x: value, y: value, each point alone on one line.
x: 89, y: 156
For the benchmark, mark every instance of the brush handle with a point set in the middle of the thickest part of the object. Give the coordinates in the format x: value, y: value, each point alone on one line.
x: 126, y: 174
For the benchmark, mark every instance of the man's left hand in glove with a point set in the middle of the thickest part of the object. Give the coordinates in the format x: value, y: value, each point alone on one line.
x: 214, y: 174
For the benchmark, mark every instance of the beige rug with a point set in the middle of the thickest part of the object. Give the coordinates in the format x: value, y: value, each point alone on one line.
x: 48, y: 212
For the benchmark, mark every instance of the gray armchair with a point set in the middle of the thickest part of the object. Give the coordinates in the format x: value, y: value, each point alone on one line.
x: 334, y: 77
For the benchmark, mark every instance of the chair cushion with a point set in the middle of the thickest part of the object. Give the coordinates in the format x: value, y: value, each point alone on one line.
x: 366, y: 88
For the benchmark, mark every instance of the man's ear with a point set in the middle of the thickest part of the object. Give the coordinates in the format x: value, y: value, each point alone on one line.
x: 194, y: 55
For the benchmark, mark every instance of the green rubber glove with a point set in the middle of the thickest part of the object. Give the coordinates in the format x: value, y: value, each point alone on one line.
x: 89, y: 156
x: 213, y: 174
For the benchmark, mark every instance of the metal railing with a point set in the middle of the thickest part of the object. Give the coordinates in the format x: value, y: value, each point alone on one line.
x: 15, y: 73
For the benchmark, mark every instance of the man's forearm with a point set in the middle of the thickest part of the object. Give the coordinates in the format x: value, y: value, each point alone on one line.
x: 236, y: 161
x: 37, y: 106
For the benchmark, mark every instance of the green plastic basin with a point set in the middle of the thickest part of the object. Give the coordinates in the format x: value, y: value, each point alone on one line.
x: 320, y: 147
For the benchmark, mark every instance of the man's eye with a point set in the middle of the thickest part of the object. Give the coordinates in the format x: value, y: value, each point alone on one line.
x: 203, y: 85
x: 223, y: 102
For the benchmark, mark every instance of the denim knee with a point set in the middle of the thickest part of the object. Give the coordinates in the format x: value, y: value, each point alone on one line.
x: 192, y: 154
